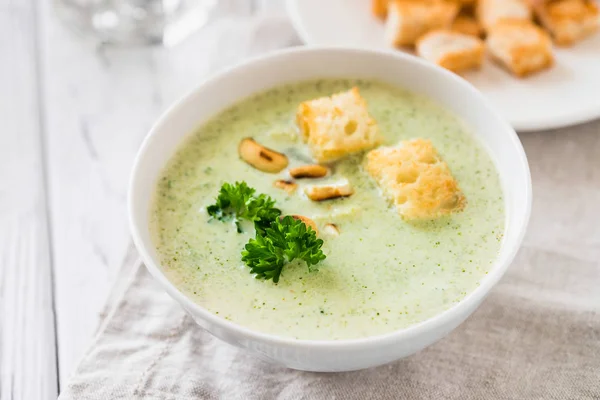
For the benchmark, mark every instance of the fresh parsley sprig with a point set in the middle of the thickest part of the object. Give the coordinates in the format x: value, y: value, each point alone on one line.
x: 283, y: 241
x: 278, y: 241
x: 237, y: 203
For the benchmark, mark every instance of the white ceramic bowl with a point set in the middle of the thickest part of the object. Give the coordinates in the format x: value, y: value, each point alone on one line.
x: 274, y: 69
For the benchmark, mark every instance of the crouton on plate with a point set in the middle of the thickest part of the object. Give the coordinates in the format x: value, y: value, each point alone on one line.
x: 413, y: 176
x: 467, y: 25
x: 408, y: 20
x: 451, y: 50
x: 489, y: 12
x: 337, y: 126
x: 520, y: 46
x: 465, y: 3
x: 379, y: 8
x: 568, y: 20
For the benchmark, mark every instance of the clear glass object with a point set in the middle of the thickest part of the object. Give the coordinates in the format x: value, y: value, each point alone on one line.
x: 137, y: 22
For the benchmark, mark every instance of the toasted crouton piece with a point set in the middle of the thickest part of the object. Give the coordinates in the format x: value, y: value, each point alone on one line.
x: 451, y: 50
x: 489, y: 12
x: 379, y: 8
x: 409, y: 19
x: 467, y: 25
x: 568, y: 20
x: 336, y: 126
x: 520, y: 46
x: 416, y: 180
x: 466, y: 4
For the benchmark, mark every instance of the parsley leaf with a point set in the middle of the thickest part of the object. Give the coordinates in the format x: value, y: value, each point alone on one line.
x: 283, y: 241
x: 262, y: 212
x: 277, y: 241
x: 237, y: 202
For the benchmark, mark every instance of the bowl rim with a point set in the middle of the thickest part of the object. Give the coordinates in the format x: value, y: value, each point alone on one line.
x: 430, y: 324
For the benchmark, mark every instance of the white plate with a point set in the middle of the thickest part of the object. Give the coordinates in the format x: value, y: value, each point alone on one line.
x: 567, y: 94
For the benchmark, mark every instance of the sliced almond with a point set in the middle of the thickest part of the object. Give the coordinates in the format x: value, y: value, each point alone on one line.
x: 329, y: 192
x: 309, y: 171
x: 261, y: 157
x: 288, y: 186
x: 331, y: 229
x: 307, y: 221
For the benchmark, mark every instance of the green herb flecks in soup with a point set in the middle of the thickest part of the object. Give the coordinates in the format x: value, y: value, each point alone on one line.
x: 381, y: 273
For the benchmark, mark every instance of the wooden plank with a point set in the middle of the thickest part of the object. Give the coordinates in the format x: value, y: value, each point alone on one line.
x: 27, y: 336
x: 100, y: 104
x: 95, y: 121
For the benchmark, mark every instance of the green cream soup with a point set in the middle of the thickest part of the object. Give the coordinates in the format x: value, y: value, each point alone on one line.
x: 381, y: 273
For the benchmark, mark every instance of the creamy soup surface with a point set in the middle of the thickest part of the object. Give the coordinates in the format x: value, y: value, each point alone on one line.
x: 381, y: 273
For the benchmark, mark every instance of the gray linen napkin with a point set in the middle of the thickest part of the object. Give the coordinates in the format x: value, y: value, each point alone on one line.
x: 537, y: 336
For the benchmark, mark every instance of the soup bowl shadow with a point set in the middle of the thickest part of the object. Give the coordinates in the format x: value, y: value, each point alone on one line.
x: 298, y: 64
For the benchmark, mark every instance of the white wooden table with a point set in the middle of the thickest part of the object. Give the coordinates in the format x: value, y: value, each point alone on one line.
x: 72, y: 116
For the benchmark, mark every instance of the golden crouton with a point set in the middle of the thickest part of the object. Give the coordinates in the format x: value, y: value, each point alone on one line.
x: 379, y: 8
x: 466, y: 4
x: 409, y: 19
x: 451, y: 50
x: 489, y: 12
x: 415, y: 179
x: 467, y: 25
x: 520, y: 46
x: 568, y: 20
x: 336, y: 126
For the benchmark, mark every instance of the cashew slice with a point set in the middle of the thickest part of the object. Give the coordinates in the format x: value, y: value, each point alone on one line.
x: 309, y: 171
x: 307, y: 221
x: 288, y: 186
x: 329, y: 192
x: 332, y: 229
x: 260, y: 157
